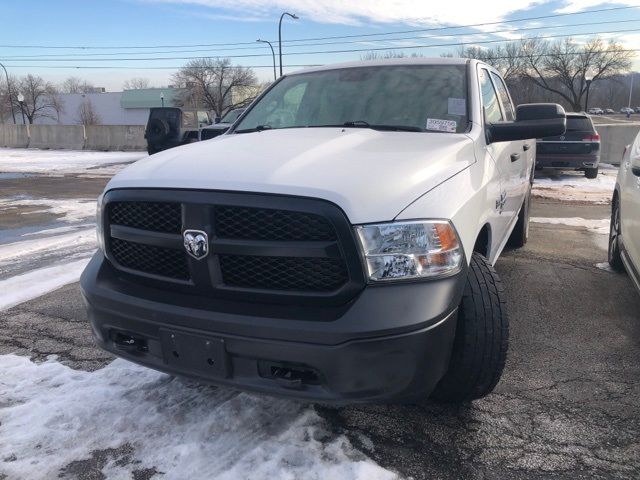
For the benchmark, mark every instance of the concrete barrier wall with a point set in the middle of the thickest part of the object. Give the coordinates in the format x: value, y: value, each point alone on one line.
x: 65, y: 137
x: 613, y: 139
x: 14, y: 136
x: 115, y: 137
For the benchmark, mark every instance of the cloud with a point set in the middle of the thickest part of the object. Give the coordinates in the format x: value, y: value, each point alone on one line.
x: 373, y: 11
x: 574, y: 6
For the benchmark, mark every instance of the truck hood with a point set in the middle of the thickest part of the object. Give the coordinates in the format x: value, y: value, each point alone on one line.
x: 372, y: 175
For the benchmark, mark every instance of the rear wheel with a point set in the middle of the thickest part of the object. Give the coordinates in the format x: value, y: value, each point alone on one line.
x: 591, y: 172
x: 482, y: 337
x: 615, y: 260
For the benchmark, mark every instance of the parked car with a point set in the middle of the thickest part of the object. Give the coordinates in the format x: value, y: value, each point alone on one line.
x: 609, y: 111
x: 596, y: 111
x: 637, y: 109
x: 624, y: 233
x: 578, y: 148
x: 222, y: 126
x: 627, y: 110
x: 170, y: 127
x: 336, y: 244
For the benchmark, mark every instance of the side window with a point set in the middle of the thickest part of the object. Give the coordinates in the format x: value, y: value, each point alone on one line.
x: 203, y: 118
x: 490, y: 102
x: 509, y: 111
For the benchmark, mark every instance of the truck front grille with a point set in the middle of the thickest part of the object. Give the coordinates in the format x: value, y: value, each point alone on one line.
x: 283, y: 273
x: 261, y: 247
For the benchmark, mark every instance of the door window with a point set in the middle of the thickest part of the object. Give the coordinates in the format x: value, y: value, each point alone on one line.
x: 490, y: 102
x: 509, y: 111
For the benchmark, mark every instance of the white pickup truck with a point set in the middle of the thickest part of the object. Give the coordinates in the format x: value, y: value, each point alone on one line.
x: 335, y: 245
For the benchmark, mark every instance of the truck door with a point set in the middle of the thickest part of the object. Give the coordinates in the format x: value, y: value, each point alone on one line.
x: 499, y: 152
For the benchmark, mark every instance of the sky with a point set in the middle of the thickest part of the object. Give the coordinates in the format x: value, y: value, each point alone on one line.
x: 53, y: 38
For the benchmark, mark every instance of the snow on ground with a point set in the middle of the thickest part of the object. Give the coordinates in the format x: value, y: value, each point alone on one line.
x: 65, y: 161
x: 20, y: 288
x: 71, y: 210
x: 51, y: 415
x: 596, y: 226
x: 575, y: 187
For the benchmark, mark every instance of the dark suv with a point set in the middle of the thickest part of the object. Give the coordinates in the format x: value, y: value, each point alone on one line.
x: 578, y: 148
x: 169, y: 127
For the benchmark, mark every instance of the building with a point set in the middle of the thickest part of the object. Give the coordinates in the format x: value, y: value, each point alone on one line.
x: 130, y: 107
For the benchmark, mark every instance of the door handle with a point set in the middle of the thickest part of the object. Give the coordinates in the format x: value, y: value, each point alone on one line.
x: 515, y: 157
x: 526, y: 147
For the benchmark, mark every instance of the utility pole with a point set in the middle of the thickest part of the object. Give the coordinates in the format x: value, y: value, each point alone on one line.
x: 9, y: 93
x: 631, y: 89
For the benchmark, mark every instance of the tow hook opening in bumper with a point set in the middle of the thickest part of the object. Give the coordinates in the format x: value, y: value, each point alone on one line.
x: 289, y: 376
x: 128, y: 342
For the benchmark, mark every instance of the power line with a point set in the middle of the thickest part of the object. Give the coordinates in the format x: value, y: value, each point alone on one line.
x: 449, y: 27
x: 254, y: 47
x: 325, y: 52
x: 177, y: 67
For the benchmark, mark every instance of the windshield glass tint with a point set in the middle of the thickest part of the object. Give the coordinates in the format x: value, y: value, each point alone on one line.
x: 398, y: 95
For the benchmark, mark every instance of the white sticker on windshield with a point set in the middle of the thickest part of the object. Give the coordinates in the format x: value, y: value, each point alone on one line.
x: 441, y: 125
x: 457, y: 106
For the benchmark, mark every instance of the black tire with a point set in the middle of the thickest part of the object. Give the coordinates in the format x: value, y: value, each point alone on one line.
x: 591, y: 172
x: 520, y: 234
x: 482, y: 338
x: 614, y: 257
x: 157, y: 130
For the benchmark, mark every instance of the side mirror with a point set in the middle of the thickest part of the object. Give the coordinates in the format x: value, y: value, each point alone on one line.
x: 217, y: 120
x: 533, y: 120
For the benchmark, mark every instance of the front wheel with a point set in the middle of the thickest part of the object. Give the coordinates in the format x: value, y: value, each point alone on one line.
x: 482, y: 337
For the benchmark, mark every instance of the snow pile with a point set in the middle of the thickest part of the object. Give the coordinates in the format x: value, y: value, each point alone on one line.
x: 72, y: 210
x: 64, y: 161
x: 575, y: 187
x: 20, y: 288
x: 16, y: 251
x: 51, y: 415
x: 595, y: 226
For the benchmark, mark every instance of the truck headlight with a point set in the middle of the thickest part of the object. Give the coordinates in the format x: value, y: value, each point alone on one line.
x: 99, y: 225
x: 410, y: 250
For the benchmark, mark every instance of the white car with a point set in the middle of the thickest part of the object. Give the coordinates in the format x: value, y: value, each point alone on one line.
x: 596, y: 111
x: 336, y: 244
x: 624, y: 236
x: 626, y: 110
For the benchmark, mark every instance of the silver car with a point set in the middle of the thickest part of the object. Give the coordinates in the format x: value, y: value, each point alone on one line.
x: 624, y: 234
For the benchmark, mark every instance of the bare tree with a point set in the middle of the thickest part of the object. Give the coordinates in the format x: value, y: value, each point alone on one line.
x: 137, y: 83
x: 87, y: 114
x: 215, y: 82
x: 76, y: 85
x: 40, y: 98
x: 506, y: 59
x: 376, y: 55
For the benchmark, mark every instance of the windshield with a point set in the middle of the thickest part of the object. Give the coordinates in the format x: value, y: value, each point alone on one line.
x: 400, y: 97
x: 232, y: 115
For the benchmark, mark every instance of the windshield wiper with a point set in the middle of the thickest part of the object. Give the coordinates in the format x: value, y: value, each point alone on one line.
x: 258, y: 128
x: 397, y: 128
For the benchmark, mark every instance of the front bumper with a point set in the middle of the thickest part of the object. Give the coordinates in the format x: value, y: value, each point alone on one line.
x: 392, y: 343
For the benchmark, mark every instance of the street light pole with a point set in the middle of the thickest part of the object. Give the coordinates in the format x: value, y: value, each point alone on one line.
x: 586, y: 102
x: 295, y: 17
x: 273, y: 54
x: 21, y: 101
x: 631, y: 89
x: 162, y: 98
x: 9, y: 93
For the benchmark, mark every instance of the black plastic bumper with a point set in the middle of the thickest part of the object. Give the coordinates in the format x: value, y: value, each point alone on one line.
x: 559, y: 160
x: 392, y: 343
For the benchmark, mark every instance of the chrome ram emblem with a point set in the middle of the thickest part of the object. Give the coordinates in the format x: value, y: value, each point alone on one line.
x: 196, y: 243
